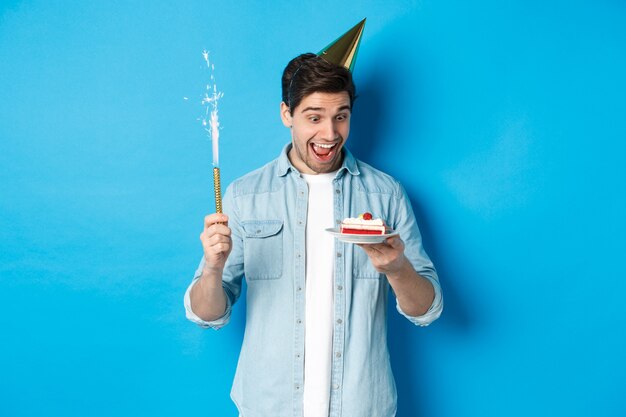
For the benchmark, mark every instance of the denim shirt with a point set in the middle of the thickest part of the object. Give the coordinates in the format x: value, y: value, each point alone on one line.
x: 267, y: 211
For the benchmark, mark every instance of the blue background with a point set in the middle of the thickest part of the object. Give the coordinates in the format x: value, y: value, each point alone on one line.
x: 504, y: 120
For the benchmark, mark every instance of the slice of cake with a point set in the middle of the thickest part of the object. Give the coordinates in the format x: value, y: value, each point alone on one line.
x: 363, y: 225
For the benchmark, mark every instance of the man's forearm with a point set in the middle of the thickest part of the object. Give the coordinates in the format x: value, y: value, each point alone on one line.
x: 415, y: 293
x: 208, y: 300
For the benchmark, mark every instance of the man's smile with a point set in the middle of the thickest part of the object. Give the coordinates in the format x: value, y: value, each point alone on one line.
x: 323, y: 151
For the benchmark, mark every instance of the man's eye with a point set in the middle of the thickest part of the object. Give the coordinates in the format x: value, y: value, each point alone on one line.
x: 314, y: 119
x: 342, y: 117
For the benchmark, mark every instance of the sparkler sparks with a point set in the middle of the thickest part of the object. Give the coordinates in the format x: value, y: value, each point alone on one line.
x: 210, y: 121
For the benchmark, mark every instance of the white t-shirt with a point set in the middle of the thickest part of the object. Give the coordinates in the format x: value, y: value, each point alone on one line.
x: 318, y: 339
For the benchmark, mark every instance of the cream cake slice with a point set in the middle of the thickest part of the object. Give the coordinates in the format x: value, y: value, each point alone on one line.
x: 363, y: 225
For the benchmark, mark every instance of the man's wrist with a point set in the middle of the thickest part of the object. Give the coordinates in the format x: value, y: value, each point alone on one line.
x: 211, y: 278
x: 404, y: 271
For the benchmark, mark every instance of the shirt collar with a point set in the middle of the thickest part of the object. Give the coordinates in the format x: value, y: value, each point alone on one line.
x: 284, y: 165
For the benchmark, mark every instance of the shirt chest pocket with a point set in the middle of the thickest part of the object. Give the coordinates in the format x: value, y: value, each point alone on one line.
x: 263, y: 249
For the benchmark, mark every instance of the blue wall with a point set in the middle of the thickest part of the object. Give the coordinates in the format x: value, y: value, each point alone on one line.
x: 504, y: 120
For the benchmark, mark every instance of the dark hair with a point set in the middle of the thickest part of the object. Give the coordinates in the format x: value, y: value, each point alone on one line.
x: 308, y: 73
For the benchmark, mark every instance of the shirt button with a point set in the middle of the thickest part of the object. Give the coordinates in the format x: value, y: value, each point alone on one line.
x: 338, y: 354
x: 297, y: 255
x: 299, y: 321
x: 336, y: 386
x: 300, y: 222
x: 299, y: 288
x: 339, y: 321
x: 338, y: 254
x: 297, y: 386
x: 338, y: 191
x: 339, y: 287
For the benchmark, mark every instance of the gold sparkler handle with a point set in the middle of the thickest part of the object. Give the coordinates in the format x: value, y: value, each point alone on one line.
x: 218, y: 191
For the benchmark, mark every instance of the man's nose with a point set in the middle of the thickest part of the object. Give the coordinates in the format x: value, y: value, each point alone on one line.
x: 329, y: 130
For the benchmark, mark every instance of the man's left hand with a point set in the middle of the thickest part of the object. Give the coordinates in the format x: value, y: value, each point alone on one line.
x: 387, y: 257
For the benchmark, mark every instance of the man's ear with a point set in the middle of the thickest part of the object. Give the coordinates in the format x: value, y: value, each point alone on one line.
x: 285, y: 115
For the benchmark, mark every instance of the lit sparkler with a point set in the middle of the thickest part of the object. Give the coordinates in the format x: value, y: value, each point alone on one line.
x: 211, y: 124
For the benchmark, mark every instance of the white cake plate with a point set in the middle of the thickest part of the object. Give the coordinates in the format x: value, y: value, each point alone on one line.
x: 363, y: 239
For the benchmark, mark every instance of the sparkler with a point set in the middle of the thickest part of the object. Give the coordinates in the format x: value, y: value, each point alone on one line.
x: 211, y: 124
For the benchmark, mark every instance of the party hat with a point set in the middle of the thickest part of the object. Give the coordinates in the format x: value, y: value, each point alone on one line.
x: 344, y: 49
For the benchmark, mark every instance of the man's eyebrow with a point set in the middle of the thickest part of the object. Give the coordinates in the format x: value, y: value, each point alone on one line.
x: 342, y: 108
x: 311, y: 109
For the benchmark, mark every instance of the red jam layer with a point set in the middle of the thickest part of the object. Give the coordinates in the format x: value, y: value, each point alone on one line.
x: 360, y: 231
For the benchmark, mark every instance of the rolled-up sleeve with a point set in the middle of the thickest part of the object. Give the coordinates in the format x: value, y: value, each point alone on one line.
x: 433, y: 312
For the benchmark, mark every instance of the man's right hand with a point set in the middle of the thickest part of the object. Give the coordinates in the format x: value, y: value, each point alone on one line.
x: 216, y: 242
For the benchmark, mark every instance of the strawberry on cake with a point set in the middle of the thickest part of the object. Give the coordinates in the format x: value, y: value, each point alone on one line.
x: 363, y: 225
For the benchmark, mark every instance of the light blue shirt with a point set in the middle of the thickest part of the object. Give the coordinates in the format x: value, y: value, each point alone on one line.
x: 267, y: 211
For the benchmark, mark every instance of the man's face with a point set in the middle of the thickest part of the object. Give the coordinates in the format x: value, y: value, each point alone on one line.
x: 319, y: 128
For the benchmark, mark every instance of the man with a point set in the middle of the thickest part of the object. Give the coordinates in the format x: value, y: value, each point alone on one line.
x: 315, y: 338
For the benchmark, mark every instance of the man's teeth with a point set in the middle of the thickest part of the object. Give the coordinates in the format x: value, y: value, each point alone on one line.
x: 324, y: 145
